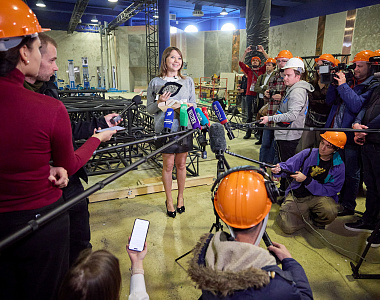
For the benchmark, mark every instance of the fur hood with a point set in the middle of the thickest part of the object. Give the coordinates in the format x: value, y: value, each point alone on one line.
x: 222, y: 266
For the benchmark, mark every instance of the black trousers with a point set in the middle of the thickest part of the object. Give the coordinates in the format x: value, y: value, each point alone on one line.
x: 79, y: 219
x: 34, y: 267
x: 286, y: 149
x: 249, y: 110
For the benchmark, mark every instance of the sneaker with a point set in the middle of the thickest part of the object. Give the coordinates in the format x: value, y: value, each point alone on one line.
x: 346, y: 212
x: 359, y: 226
x: 375, y: 242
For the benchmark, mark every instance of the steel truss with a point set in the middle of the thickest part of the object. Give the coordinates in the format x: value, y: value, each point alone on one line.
x: 150, y: 9
x: 139, y: 125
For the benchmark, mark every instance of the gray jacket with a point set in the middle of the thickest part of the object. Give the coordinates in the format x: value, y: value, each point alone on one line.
x: 187, y: 91
x: 293, y: 109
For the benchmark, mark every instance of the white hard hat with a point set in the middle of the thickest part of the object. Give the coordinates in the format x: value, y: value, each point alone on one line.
x: 296, y: 64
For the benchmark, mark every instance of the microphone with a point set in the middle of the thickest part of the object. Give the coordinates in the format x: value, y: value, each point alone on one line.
x: 204, y: 110
x: 183, y: 117
x: 168, y: 121
x: 222, y: 118
x: 135, y: 100
x: 201, y: 117
x: 193, y: 118
x: 217, y: 138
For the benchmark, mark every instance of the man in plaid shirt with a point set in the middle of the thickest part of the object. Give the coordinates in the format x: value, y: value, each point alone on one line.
x: 277, y: 87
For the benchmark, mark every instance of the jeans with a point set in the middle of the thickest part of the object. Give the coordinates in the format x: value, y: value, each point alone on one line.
x: 371, y: 166
x: 267, y: 147
x: 351, y: 157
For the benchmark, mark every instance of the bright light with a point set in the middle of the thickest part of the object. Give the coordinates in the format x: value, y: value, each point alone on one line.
x: 173, y: 29
x: 40, y: 3
x: 191, y: 28
x: 112, y: 0
x: 155, y: 16
x: 228, y: 27
x: 224, y: 12
x: 94, y: 19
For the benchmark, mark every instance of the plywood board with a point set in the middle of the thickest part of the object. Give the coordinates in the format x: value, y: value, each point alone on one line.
x: 230, y: 80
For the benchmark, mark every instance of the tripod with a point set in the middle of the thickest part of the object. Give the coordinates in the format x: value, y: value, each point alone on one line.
x: 221, y: 168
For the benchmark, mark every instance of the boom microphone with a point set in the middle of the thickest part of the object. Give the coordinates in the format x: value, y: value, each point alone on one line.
x: 193, y: 118
x: 135, y: 100
x: 204, y: 110
x: 222, y: 118
x: 168, y: 121
x: 217, y: 138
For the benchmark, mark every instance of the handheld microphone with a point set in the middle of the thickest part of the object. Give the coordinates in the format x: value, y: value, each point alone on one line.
x: 222, y: 118
x: 183, y: 117
x: 217, y: 138
x: 201, y: 117
x: 193, y: 118
x: 135, y: 100
x: 204, y: 110
x: 168, y: 121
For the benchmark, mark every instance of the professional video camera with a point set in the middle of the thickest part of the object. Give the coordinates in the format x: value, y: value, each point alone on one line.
x: 327, y: 72
x: 375, y: 67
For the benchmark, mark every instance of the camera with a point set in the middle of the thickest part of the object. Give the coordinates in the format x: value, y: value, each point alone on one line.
x: 273, y: 92
x: 327, y: 72
x: 375, y: 64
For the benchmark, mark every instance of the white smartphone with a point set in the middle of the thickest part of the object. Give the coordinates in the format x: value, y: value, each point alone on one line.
x: 138, y: 236
x: 117, y: 128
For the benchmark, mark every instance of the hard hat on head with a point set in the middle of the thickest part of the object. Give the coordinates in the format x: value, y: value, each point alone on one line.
x: 284, y: 54
x: 299, y: 57
x: 243, y: 197
x: 335, y: 138
x: 256, y: 57
x: 327, y: 57
x: 295, y: 64
x: 337, y: 61
x: 377, y: 52
x: 270, y: 60
x: 17, y: 21
x: 363, y: 56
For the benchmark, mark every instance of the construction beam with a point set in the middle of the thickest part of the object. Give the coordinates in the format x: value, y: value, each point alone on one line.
x: 79, y: 8
x: 127, y: 13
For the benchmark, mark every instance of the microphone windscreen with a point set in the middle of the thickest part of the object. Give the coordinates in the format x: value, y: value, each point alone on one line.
x: 219, y: 112
x: 183, y: 118
x: 193, y: 118
x: 137, y: 99
x: 201, y: 117
x: 217, y: 138
x: 204, y: 110
x: 168, y: 121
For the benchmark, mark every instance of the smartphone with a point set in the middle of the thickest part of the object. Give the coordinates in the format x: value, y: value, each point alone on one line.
x: 117, y: 128
x: 138, y: 236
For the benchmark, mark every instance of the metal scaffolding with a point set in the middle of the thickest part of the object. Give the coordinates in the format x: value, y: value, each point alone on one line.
x: 79, y: 8
x: 151, y: 10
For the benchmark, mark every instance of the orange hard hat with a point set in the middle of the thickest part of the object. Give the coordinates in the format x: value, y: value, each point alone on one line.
x: 363, y: 55
x: 377, y: 52
x: 242, y: 200
x: 336, y: 138
x: 298, y: 57
x: 327, y: 57
x: 256, y: 57
x: 284, y: 54
x: 17, y: 20
x: 270, y: 60
x: 337, y: 61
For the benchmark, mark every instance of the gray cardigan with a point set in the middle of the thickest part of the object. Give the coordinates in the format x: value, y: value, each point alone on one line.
x: 293, y: 108
x: 187, y: 91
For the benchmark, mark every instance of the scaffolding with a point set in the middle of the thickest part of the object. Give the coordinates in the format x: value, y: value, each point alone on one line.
x: 150, y: 9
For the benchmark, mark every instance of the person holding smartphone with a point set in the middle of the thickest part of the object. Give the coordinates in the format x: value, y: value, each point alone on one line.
x: 170, y: 71
x: 36, y: 129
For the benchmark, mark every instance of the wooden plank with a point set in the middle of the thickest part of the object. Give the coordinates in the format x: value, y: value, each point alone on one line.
x: 154, y: 187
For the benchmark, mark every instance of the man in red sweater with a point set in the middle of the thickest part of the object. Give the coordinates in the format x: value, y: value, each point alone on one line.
x: 252, y: 73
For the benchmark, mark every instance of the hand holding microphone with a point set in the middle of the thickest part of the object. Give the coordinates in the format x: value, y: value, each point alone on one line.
x: 222, y: 119
x: 136, y: 100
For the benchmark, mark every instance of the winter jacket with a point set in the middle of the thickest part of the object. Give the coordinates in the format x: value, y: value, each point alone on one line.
x: 347, y: 102
x: 333, y: 182
x: 227, y: 269
x: 293, y: 109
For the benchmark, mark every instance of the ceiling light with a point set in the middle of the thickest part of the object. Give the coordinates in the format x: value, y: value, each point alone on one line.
x: 40, y: 3
x: 191, y: 28
x: 112, y: 0
x: 197, y: 12
x: 224, y: 12
x: 155, y: 16
x: 94, y: 19
x: 173, y: 29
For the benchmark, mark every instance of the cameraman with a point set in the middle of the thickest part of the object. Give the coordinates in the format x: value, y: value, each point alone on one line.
x: 347, y: 97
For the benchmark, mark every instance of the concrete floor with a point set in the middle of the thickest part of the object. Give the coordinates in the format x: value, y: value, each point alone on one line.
x: 324, y: 254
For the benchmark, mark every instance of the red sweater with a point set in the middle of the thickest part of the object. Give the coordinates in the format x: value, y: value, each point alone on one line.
x: 35, y: 129
x: 251, y: 77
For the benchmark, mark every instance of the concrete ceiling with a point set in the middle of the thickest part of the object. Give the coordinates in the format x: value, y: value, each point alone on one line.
x: 57, y: 13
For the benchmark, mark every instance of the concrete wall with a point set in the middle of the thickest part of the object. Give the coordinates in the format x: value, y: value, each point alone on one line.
x: 210, y: 52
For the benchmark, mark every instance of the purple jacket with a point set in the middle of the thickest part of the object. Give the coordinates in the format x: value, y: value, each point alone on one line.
x: 333, y: 182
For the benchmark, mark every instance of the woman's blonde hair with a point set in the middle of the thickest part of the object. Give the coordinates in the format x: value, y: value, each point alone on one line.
x: 163, y: 67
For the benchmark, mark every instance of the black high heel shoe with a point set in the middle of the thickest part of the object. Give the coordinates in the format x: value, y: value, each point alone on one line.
x: 181, y: 209
x: 171, y: 214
